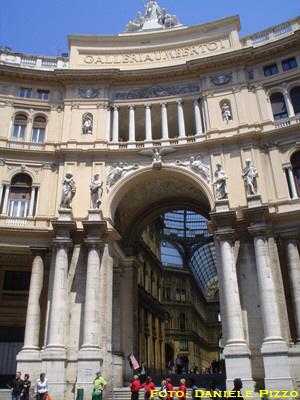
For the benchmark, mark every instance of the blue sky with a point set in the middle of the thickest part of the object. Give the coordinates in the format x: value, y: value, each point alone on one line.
x: 42, y: 26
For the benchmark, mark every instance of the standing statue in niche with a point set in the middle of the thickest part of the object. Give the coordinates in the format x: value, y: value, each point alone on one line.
x: 96, y: 191
x: 69, y: 190
x: 87, y: 123
x: 250, y: 176
x: 226, y: 113
x: 220, y: 183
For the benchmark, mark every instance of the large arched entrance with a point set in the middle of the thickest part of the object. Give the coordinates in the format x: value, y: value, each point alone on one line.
x: 169, y: 296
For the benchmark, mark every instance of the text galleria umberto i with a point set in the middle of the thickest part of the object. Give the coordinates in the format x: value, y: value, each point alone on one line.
x: 150, y: 204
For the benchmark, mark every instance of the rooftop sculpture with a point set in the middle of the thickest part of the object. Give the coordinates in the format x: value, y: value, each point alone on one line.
x: 154, y: 18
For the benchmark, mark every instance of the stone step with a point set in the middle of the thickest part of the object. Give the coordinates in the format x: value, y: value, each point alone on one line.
x: 5, y: 394
x: 125, y: 394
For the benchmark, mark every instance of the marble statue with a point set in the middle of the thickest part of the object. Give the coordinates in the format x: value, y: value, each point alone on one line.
x: 87, y: 123
x: 226, y: 113
x: 220, y: 183
x: 250, y: 178
x: 117, y: 172
x: 197, y: 166
x: 137, y: 24
x: 168, y: 20
x: 152, y: 10
x: 96, y: 191
x: 69, y: 190
x: 156, y: 153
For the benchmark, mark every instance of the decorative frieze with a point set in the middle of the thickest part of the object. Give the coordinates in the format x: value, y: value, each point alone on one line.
x: 220, y: 80
x: 117, y: 171
x: 157, y: 91
x: 88, y: 93
x: 196, y: 164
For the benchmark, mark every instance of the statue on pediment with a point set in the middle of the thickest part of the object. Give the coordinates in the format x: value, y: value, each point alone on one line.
x: 168, y: 20
x: 152, y: 10
x: 137, y: 24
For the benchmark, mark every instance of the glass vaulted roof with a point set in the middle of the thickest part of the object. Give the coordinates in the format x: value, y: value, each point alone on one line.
x: 186, y: 243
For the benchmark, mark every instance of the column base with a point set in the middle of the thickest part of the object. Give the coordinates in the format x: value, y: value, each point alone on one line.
x: 222, y: 205
x: 182, y: 139
x: 64, y: 214
x: 238, y: 365
x: 254, y: 200
x: 276, y: 364
x: 199, y: 137
x: 95, y: 214
x: 29, y: 360
x: 90, y: 361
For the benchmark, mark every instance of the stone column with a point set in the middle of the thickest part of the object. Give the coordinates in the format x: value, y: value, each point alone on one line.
x: 148, y: 122
x: 274, y: 348
x: 108, y: 123
x: 116, y: 124
x: 91, y: 306
x: 33, y: 318
x: 292, y: 183
x: 197, y: 112
x: 181, y: 125
x: 293, y: 264
x: 58, y: 313
x: 289, y: 105
x: 1, y: 194
x: 5, y: 202
x: 32, y: 199
x: 164, y: 121
x: 131, y: 134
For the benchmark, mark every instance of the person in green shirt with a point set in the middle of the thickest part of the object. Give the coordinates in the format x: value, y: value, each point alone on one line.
x: 99, y: 385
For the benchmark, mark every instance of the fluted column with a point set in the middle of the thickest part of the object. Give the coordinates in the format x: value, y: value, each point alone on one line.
x: 164, y: 120
x: 232, y: 304
x: 5, y: 202
x: 58, y: 312
x: 198, y: 121
x: 269, y: 306
x: 91, y: 307
x: 148, y: 122
x: 289, y: 105
x: 181, y: 124
x: 32, y: 199
x: 33, y: 317
x: 131, y: 134
x: 293, y: 264
x: 116, y: 124
x: 108, y: 123
x: 292, y: 183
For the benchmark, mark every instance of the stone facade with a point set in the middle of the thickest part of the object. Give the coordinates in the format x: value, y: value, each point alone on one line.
x: 85, y: 294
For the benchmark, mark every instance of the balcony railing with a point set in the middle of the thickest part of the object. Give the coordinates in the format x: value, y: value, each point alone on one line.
x: 25, y: 145
x: 283, y: 123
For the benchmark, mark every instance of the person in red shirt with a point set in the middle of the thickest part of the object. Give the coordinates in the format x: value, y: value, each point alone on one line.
x: 182, y: 388
x: 135, y: 388
x: 148, y: 385
x: 169, y: 389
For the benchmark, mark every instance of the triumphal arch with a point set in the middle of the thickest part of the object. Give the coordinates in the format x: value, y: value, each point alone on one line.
x: 150, y: 193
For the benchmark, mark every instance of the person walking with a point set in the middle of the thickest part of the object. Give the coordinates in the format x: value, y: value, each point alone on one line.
x: 41, y: 387
x: 99, y: 385
x: 143, y: 372
x: 135, y: 388
x: 178, y: 362
x: 182, y: 388
x: 169, y: 389
x: 194, y: 387
x: 163, y: 390
x: 16, y: 384
x: 148, y: 386
x: 26, y: 387
x: 236, y: 391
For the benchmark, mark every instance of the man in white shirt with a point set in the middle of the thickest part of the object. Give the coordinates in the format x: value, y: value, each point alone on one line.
x: 41, y: 387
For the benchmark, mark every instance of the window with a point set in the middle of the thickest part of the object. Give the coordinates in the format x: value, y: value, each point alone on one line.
x: 24, y: 92
x: 168, y: 293
x: 183, y: 297
x: 19, y: 197
x: 295, y: 98
x: 182, y: 321
x: 295, y: 161
x: 177, y: 294
x: 20, y: 123
x: 271, y: 70
x: 16, y: 281
x: 289, y: 64
x: 278, y: 106
x: 38, y: 129
x: 42, y: 94
x: 184, y: 345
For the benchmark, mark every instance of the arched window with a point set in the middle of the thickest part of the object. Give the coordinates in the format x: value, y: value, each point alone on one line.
x: 278, y: 106
x: 19, y: 127
x: 182, y: 322
x: 38, y: 129
x: 295, y: 161
x: 20, y: 194
x: 295, y: 97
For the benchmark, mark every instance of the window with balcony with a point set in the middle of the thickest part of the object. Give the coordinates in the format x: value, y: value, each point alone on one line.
x: 25, y: 92
x: 278, y: 106
x: 271, y: 70
x: 184, y: 345
x: 42, y: 94
x: 295, y: 98
x: 19, y: 127
x: 289, y: 64
x: 19, y: 197
x: 38, y: 129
